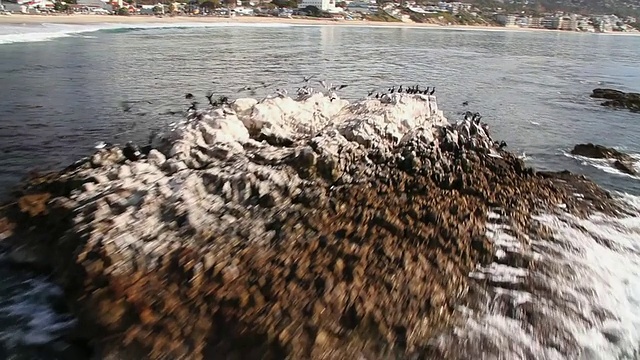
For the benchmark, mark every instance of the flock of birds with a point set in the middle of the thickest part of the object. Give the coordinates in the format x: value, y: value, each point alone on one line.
x: 303, y: 92
x: 401, y: 89
x: 307, y: 89
x: 220, y: 101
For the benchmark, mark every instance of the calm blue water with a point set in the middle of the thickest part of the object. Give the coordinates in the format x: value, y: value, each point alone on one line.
x: 59, y: 97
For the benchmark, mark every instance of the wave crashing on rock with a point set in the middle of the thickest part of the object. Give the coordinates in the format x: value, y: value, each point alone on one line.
x: 316, y: 228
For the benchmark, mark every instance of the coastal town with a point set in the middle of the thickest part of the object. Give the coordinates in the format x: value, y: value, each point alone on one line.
x: 401, y: 11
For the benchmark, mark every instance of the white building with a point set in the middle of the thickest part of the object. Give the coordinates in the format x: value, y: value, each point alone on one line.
x: 324, y: 5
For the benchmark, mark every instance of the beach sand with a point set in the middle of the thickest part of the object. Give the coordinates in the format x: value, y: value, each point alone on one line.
x: 79, y: 19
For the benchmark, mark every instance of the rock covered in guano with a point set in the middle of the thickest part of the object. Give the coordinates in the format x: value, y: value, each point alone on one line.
x: 311, y: 229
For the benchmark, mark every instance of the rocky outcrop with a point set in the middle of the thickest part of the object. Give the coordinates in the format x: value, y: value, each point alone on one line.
x: 303, y: 229
x: 618, y: 99
x: 622, y: 161
x: 625, y: 166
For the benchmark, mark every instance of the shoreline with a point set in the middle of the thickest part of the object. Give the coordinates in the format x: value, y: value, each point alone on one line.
x: 81, y: 19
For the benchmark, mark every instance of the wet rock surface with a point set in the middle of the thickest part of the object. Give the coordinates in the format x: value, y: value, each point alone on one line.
x: 622, y: 161
x: 618, y: 99
x: 283, y: 229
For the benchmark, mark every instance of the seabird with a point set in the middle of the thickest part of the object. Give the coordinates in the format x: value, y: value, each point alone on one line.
x: 338, y: 87
x: 281, y: 92
x: 194, y: 106
x: 465, y: 103
x: 306, y: 79
x: 433, y: 91
x: 126, y: 106
x: 502, y: 145
x: 102, y: 145
x: 400, y: 89
x: 131, y: 152
x: 188, y: 96
x: 209, y: 97
x: 222, y: 100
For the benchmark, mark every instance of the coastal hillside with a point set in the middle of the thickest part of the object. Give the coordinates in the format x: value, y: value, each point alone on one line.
x: 584, y: 7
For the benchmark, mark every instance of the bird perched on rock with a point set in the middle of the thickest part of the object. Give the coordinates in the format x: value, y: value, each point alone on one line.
x: 103, y: 145
x: 209, y: 97
x: 131, y: 152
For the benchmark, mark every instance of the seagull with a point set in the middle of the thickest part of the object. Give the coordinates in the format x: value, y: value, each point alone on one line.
x: 102, y: 145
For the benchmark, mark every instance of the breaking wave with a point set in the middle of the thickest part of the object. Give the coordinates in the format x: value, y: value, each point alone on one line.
x: 606, y: 165
x: 10, y: 34
x: 28, y: 313
x: 574, y: 294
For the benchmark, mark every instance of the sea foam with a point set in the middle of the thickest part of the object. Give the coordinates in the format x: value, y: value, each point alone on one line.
x: 581, y: 299
x: 45, y: 32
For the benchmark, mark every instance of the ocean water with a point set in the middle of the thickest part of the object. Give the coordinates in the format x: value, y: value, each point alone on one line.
x: 63, y: 87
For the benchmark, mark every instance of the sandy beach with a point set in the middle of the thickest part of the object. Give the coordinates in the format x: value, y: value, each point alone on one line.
x: 78, y: 19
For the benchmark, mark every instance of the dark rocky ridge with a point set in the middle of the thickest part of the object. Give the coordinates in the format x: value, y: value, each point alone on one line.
x: 353, y: 242
x: 618, y: 99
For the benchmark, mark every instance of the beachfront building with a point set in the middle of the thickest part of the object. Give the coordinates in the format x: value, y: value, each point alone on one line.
x: 550, y: 22
x: 535, y: 22
x: 324, y: 5
x: 506, y: 20
x: 568, y: 23
x: 99, y: 4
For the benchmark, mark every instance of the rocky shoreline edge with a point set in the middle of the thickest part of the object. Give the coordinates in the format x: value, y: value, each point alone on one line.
x: 283, y: 228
